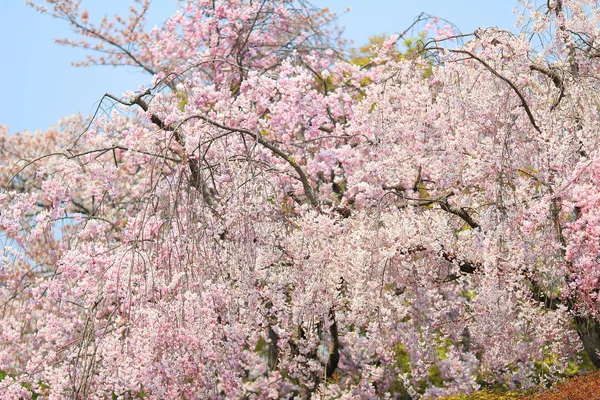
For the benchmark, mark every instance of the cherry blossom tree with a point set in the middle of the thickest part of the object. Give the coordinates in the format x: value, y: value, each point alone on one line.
x: 266, y: 219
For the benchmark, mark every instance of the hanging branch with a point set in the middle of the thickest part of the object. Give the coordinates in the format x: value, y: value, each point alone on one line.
x: 274, y: 149
x: 499, y: 75
x: 508, y: 81
x: 556, y: 79
x: 194, y: 168
x: 444, y: 205
x: 196, y: 180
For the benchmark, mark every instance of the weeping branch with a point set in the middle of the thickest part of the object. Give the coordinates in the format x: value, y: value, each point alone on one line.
x: 194, y: 167
x: 308, y: 191
x: 556, y: 79
x: 195, y: 173
x: 505, y: 79
x: 444, y: 205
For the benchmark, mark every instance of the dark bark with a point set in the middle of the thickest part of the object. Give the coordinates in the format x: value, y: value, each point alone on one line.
x: 589, y: 332
x: 273, y: 349
x: 334, y: 346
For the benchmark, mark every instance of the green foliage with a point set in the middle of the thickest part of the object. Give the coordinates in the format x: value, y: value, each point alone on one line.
x: 486, y: 395
x: 401, y: 364
x: 362, y: 55
x: 407, y: 48
x: 183, y: 100
x: 402, y: 359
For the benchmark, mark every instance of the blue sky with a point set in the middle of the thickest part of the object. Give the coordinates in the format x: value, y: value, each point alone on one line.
x: 38, y: 85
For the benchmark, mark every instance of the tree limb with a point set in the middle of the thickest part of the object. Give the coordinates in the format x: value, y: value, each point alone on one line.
x: 505, y: 79
x: 308, y: 191
x: 334, y: 347
x: 556, y: 79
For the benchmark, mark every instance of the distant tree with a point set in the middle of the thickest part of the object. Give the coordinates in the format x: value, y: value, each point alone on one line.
x: 267, y: 219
